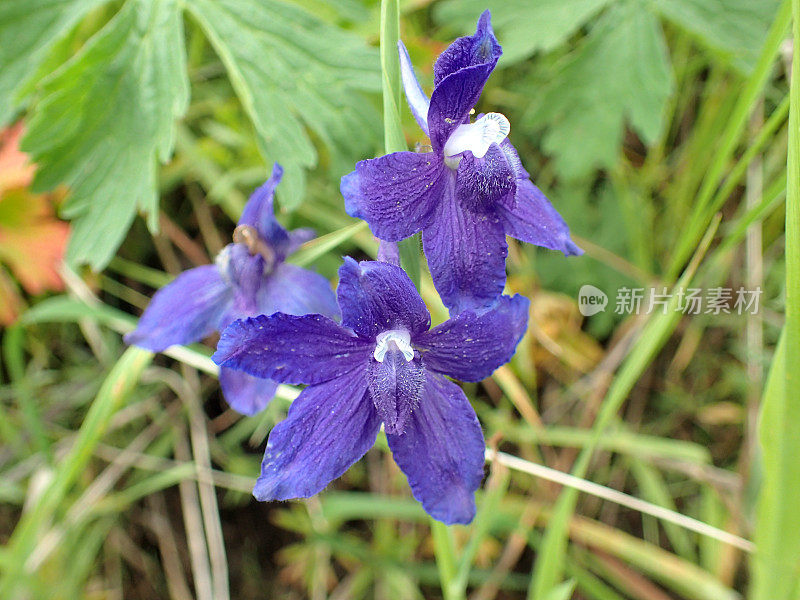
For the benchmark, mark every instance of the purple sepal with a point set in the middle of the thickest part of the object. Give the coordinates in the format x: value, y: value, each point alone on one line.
x: 442, y: 452
x: 184, y: 311
x: 290, y: 349
x: 246, y: 394
x: 466, y: 254
x: 533, y: 219
x: 470, y: 346
x: 328, y: 428
x: 396, y: 194
x: 377, y: 296
x: 296, y: 291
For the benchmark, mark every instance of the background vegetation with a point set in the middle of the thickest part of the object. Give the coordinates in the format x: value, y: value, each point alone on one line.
x: 660, y: 131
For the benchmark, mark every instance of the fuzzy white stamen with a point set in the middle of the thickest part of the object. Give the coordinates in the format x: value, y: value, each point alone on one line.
x: 402, y: 340
x: 478, y: 136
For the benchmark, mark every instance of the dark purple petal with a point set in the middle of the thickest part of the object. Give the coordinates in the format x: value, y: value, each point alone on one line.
x: 531, y: 218
x: 459, y: 76
x: 472, y: 345
x: 466, y: 254
x: 483, y: 182
x: 395, y: 386
x: 296, y: 291
x: 396, y: 194
x: 417, y: 100
x: 183, y: 311
x: 442, y: 452
x: 468, y: 51
x: 452, y: 100
x: 246, y: 394
x: 259, y: 213
x: 377, y: 296
x: 328, y: 428
x: 291, y: 349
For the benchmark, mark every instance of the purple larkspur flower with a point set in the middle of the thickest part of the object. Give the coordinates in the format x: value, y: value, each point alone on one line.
x: 249, y: 277
x: 382, y: 364
x: 469, y: 192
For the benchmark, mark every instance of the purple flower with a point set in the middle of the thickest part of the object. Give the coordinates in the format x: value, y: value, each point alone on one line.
x: 381, y: 365
x: 466, y: 195
x: 249, y: 277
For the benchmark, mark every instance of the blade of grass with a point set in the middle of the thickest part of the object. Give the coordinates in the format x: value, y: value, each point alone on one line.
x: 776, y: 566
x: 549, y: 566
x: 116, y: 387
x: 751, y: 91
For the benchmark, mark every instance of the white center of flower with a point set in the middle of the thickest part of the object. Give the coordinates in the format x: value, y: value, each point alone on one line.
x: 491, y: 128
x: 402, y: 340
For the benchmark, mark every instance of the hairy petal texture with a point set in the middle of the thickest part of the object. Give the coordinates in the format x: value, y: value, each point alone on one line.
x: 417, y: 100
x: 376, y: 296
x: 246, y: 394
x: 396, y: 194
x: 395, y: 386
x: 441, y: 451
x: 531, y: 218
x: 472, y: 345
x: 328, y: 428
x: 291, y: 349
x: 259, y: 213
x: 468, y: 51
x: 184, y: 311
x: 483, y: 182
x: 296, y: 291
x: 466, y: 254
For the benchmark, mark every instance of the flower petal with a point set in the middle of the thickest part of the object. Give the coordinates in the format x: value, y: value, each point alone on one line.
x: 442, y: 452
x: 328, y: 428
x: 396, y: 194
x: 291, y: 349
x: 395, y: 385
x: 377, y: 296
x: 245, y: 272
x: 259, y: 213
x: 477, y: 49
x: 466, y: 254
x: 531, y: 218
x: 296, y: 291
x: 459, y: 76
x: 246, y: 394
x: 183, y: 311
x: 417, y: 100
x: 472, y: 345
x: 483, y: 182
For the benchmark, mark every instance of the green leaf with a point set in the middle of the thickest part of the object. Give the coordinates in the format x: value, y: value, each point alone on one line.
x: 620, y: 74
x: 522, y: 26
x: 105, y: 118
x: 734, y: 28
x: 28, y: 30
x: 293, y: 71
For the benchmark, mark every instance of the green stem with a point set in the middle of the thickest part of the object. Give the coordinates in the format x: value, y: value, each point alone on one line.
x: 444, y: 548
x: 394, y: 140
